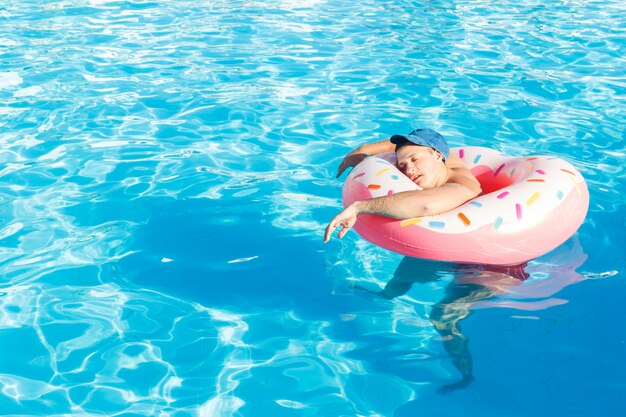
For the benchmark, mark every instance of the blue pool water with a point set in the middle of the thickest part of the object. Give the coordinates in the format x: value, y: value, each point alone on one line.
x: 167, y: 169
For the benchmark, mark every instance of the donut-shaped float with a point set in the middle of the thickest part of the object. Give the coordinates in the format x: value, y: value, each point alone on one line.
x: 528, y: 207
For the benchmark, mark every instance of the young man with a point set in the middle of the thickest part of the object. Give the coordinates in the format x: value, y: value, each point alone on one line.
x: 423, y: 156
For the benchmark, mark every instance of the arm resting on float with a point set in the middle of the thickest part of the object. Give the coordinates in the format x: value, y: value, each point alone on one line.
x: 404, y: 205
x: 363, y: 151
x: 417, y: 203
x: 377, y: 147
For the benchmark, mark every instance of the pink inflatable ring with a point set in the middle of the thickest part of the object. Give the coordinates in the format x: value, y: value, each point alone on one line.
x: 529, y: 206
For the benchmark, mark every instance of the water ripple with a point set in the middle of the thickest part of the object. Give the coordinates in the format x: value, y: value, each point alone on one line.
x: 234, y: 115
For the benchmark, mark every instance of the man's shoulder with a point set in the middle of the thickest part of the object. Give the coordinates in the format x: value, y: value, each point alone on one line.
x: 455, y: 162
x: 460, y: 174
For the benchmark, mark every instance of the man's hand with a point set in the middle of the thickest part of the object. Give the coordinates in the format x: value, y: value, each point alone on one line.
x: 350, y: 160
x: 345, y: 219
x: 363, y: 151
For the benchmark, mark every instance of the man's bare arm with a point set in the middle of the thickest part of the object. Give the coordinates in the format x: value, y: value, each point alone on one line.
x: 418, y: 203
x: 360, y: 153
x: 406, y: 204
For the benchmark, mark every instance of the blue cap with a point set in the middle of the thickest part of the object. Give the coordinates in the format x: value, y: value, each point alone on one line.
x: 424, y: 137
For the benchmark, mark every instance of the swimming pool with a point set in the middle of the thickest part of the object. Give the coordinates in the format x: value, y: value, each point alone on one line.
x: 168, y: 169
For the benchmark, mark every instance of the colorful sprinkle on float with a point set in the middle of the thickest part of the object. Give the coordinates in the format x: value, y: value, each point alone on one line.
x: 528, y: 207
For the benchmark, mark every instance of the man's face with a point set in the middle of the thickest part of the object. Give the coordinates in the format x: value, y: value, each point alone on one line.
x: 419, y: 163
